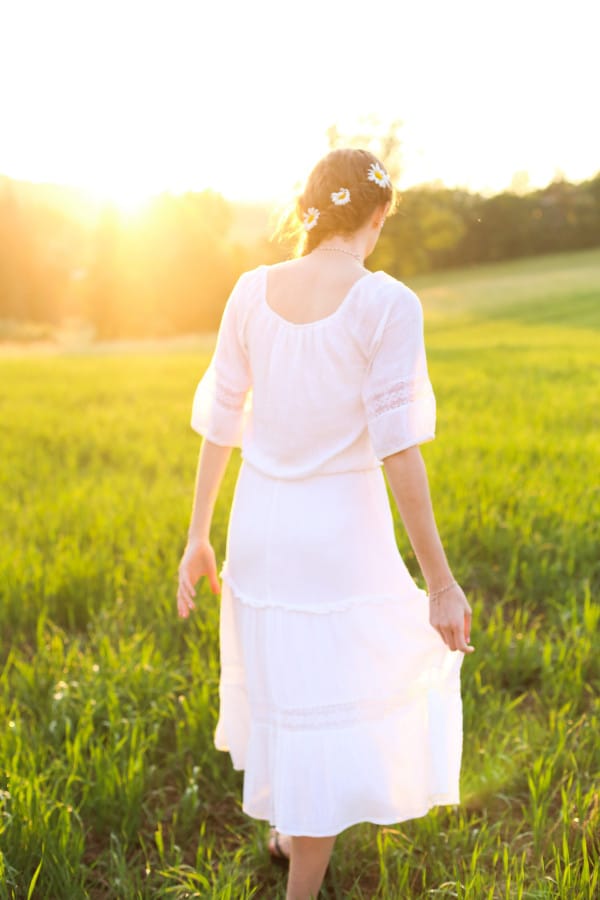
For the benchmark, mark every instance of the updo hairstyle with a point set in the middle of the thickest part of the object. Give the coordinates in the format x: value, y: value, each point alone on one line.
x: 344, y: 168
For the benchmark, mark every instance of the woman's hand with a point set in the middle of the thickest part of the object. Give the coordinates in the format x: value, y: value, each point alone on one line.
x: 450, y: 615
x: 198, y: 559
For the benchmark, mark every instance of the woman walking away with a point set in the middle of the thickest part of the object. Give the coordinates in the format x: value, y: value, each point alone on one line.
x: 340, y: 678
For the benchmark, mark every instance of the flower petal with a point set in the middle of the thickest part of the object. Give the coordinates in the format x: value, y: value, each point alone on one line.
x: 341, y: 197
x: 310, y: 218
x: 378, y: 175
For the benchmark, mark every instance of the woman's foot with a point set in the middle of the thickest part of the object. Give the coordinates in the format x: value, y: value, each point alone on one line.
x: 279, y: 847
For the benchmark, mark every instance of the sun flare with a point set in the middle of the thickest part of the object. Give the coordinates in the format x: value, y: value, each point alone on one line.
x: 128, y: 100
x: 129, y: 196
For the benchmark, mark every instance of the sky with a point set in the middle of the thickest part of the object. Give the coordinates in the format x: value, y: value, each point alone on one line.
x: 130, y: 98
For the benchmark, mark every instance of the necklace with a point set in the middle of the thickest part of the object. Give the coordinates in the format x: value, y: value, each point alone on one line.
x: 338, y: 250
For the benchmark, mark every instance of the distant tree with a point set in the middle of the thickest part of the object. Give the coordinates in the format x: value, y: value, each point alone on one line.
x: 166, y: 273
x: 12, y: 250
x: 190, y: 259
x: 103, y: 296
x: 37, y: 245
x: 422, y: 234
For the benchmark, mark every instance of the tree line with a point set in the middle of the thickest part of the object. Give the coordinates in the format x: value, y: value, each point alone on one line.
x: 438, y: 228
x: 170, y: 270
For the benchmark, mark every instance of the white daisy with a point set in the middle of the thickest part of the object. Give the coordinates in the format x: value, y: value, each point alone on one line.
x: 311, y: 217
x: 379, y: 175
x: 341, y: 197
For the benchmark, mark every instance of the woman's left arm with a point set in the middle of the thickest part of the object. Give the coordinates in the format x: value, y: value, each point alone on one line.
x: 199, y: 557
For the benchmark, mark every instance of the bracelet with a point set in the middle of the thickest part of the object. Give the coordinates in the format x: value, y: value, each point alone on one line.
x: 435, y: 594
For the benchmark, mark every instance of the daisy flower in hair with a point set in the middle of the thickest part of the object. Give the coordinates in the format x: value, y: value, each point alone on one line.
x: 311, y: 217
x: 378, y: 174
x: 341, y: 197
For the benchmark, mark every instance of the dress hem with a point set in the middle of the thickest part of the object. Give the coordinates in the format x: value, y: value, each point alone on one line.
x: 288, y: 829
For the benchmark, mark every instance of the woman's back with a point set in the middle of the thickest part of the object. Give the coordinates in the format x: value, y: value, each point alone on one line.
x: 335, y: 363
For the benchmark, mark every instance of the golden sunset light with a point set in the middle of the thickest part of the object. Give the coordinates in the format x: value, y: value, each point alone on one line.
x: 128, y: 99
x: 299, y: 341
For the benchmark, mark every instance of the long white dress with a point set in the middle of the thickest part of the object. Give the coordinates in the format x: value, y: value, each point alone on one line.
x: 338, y: 699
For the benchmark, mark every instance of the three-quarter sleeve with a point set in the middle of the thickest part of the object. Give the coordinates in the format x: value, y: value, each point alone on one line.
x: 223, y: 397
x: 397, y: 393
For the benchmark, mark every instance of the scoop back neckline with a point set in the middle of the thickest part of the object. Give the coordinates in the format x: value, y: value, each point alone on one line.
x: 315, y: 322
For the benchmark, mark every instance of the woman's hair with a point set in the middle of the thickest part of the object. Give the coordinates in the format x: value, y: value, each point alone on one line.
x: 345, y: 170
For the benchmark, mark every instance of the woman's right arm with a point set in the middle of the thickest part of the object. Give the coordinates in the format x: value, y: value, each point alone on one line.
x: 218, y: 414
x: 449, y: 611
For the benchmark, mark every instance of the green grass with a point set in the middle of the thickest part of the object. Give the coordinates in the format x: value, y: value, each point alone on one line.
x: 110, y: 786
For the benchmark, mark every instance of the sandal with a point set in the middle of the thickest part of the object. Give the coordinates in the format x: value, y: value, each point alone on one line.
x: 276, y: 851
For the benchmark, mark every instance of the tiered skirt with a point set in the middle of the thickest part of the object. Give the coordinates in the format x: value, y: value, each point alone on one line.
x: 337, y: 698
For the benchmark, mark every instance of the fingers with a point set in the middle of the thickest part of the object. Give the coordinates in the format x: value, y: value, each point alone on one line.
x: 186, y: 587
x: 185, y: 604
x: 444, y: 629
x: 447, y: 636
x: 455, y: 636
x: 461, y: 641
x: 185, y: 595
x: 465, y: 635
x: 186, y: 590
x: 467, y: 629
x: 184, y: 607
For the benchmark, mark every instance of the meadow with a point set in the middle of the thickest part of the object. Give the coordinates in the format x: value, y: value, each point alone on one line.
x: 110, y: 786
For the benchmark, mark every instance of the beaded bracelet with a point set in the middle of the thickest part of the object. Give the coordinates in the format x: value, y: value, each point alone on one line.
x: 435, y: 594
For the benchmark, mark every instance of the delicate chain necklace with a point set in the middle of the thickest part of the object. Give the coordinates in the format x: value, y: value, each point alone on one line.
x: 339, y: 250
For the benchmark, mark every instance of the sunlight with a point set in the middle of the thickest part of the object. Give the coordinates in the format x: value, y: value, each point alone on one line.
x: 129, y: 198
x: 128, y: 99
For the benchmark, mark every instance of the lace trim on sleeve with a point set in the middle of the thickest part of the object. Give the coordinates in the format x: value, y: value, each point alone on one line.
x: 229, y: 399
x: 398, y: 394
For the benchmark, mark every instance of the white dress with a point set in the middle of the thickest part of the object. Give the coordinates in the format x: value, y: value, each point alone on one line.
x: 338, y: 699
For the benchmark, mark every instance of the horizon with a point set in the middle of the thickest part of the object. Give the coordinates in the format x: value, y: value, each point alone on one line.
x: 521, y: 185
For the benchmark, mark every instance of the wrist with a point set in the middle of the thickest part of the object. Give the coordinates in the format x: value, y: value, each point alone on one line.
x: 194, y: 539
x: 441, y: 591
x: 439, y: 581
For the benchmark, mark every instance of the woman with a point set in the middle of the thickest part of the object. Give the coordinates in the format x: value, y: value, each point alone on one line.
x: 340, y: 678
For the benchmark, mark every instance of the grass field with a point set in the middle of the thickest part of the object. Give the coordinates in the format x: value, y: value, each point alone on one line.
x: 110, y: 786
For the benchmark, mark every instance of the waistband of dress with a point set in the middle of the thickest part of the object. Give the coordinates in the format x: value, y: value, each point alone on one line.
x: 309, y: 476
